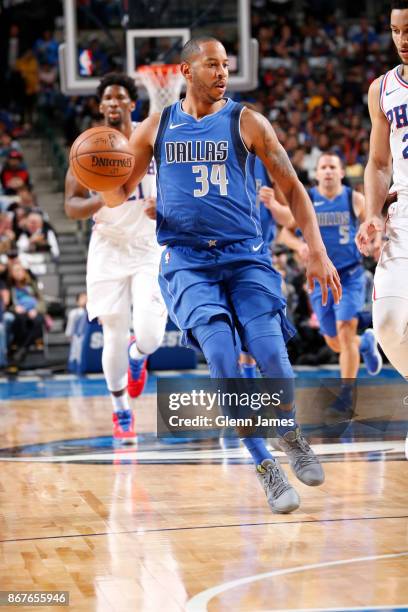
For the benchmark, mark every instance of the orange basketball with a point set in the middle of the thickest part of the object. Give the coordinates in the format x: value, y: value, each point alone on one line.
x: 100, y: 159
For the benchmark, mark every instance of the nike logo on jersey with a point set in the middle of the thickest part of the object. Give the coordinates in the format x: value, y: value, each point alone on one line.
x: 388, y: 93
x: 319, y: 203
x: 173, y: 126
x: 256, y: 248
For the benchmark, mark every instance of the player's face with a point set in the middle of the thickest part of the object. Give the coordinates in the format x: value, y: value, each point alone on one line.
x: 209, y: 72
x: 329, y: 172
x: 399, y: 29
x: 116, y: 105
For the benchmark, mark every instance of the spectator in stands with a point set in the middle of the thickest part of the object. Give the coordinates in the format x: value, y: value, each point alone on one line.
x: 8, y: 317
x: 37, y: 236
x: 46, y: 49
x: 28, y: 307
x: 7, y: 145
x: 75, y: 314
x: 27, y: 199
x: 7, y: 236
x: 48, y: 79
x: 14, y: 168
x: 27, y: 66
x: 4, y: 303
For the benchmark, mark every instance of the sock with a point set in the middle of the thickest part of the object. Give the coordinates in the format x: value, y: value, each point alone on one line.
x: 286, y: 414
x: 248, y: 370
x: 120, y: 402
x: 134, y: 353
x: 257, y: 448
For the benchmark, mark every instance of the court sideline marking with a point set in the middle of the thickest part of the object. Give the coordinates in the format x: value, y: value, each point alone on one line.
x: 145, y: 531
x: 199, y: 602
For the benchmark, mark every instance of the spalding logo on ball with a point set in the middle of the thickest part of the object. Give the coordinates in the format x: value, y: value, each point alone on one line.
x: 101, y: 159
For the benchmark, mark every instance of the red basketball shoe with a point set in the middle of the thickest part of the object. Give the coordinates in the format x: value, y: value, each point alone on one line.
x: 137, y: 374
x: 123, y: 425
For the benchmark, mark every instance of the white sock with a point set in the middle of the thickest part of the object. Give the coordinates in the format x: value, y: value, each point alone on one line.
x: 120, y: 402
x: 134, y: 353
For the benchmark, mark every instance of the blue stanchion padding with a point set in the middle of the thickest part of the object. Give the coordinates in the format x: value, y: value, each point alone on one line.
x: 85, y: 355
x: 172, y: 355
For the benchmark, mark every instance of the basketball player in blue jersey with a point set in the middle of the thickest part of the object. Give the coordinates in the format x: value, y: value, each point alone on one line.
x: 122, y: 267
x: 216, y: 276
x: 339, y: 210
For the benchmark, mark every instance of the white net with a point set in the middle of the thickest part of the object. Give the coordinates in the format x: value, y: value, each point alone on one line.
x: 163, y: 83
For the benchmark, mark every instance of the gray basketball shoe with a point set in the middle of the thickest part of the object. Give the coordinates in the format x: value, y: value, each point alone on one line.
x: 282, y: 497
x: 302, y: 459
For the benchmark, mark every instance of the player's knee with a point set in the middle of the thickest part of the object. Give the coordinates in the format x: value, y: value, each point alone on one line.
x: 217, y: 343
x: 148, y: 343
x: 333, y: 343
x: 388, y: 329
x: 114, y: 328
x: 346, y: 333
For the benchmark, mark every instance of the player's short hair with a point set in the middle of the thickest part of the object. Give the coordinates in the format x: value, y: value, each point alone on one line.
x: 330, y: 154
x: 192, y: 46
x: 398, y: 4
x: 117, y: 78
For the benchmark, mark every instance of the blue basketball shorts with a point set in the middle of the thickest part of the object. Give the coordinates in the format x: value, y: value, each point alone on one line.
x: 236, y: 281
x: 351, y: 303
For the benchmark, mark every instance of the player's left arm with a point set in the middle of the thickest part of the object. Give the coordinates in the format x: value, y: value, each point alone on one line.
x: 260, y: 138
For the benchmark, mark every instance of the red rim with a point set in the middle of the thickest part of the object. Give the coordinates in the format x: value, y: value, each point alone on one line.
x: 162, y: 69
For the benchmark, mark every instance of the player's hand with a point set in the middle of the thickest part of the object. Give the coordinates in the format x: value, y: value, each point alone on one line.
x: 367, y: 234
x: 150, y: 208
x: 320, y: 267
x: 267, y: 196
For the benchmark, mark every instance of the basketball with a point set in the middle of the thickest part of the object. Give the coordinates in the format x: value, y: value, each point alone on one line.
x: 100, y: 159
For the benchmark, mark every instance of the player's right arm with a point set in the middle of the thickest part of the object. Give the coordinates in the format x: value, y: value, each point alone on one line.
x: 79, y: 203
x: 377, y: 176
x: 141, y: 145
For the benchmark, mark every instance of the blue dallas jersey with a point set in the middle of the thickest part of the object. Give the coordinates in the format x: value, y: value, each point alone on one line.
x: 205, y: 181
x: 338, y: 226
x: 268, y: 223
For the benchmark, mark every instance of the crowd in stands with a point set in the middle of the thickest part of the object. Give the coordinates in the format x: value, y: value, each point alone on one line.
x: 313, y: 80
x: 25, y: 233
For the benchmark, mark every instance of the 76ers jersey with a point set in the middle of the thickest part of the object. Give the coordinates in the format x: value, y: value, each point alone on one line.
x: 128, y: 222
x: 338, y: 227
x: 205, y: 181
x: 394, y: 104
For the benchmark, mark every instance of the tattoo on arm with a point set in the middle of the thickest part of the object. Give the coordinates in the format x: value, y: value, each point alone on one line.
x: 274, y: 151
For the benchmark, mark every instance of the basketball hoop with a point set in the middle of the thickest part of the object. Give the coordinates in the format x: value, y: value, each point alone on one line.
x: 163, y: 83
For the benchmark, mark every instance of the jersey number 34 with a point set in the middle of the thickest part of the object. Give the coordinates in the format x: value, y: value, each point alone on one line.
x: 218, y: 177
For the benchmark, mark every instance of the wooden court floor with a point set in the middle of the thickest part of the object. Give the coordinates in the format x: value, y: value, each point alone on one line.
x: 187, y: 529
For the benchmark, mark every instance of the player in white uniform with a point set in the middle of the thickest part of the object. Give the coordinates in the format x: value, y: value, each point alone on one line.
x: 388, y: 104
x: 122, y: 267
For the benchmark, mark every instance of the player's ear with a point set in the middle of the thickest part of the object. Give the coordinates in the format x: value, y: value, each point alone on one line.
x: 132, y: 106
x: 185, y: 69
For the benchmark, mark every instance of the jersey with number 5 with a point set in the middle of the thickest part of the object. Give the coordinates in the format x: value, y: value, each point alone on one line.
x: 394, y: 104
x: 338, y: 226
x: 205, y: 182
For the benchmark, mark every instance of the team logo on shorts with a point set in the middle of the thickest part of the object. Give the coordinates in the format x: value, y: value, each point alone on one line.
x: 167, y: 257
